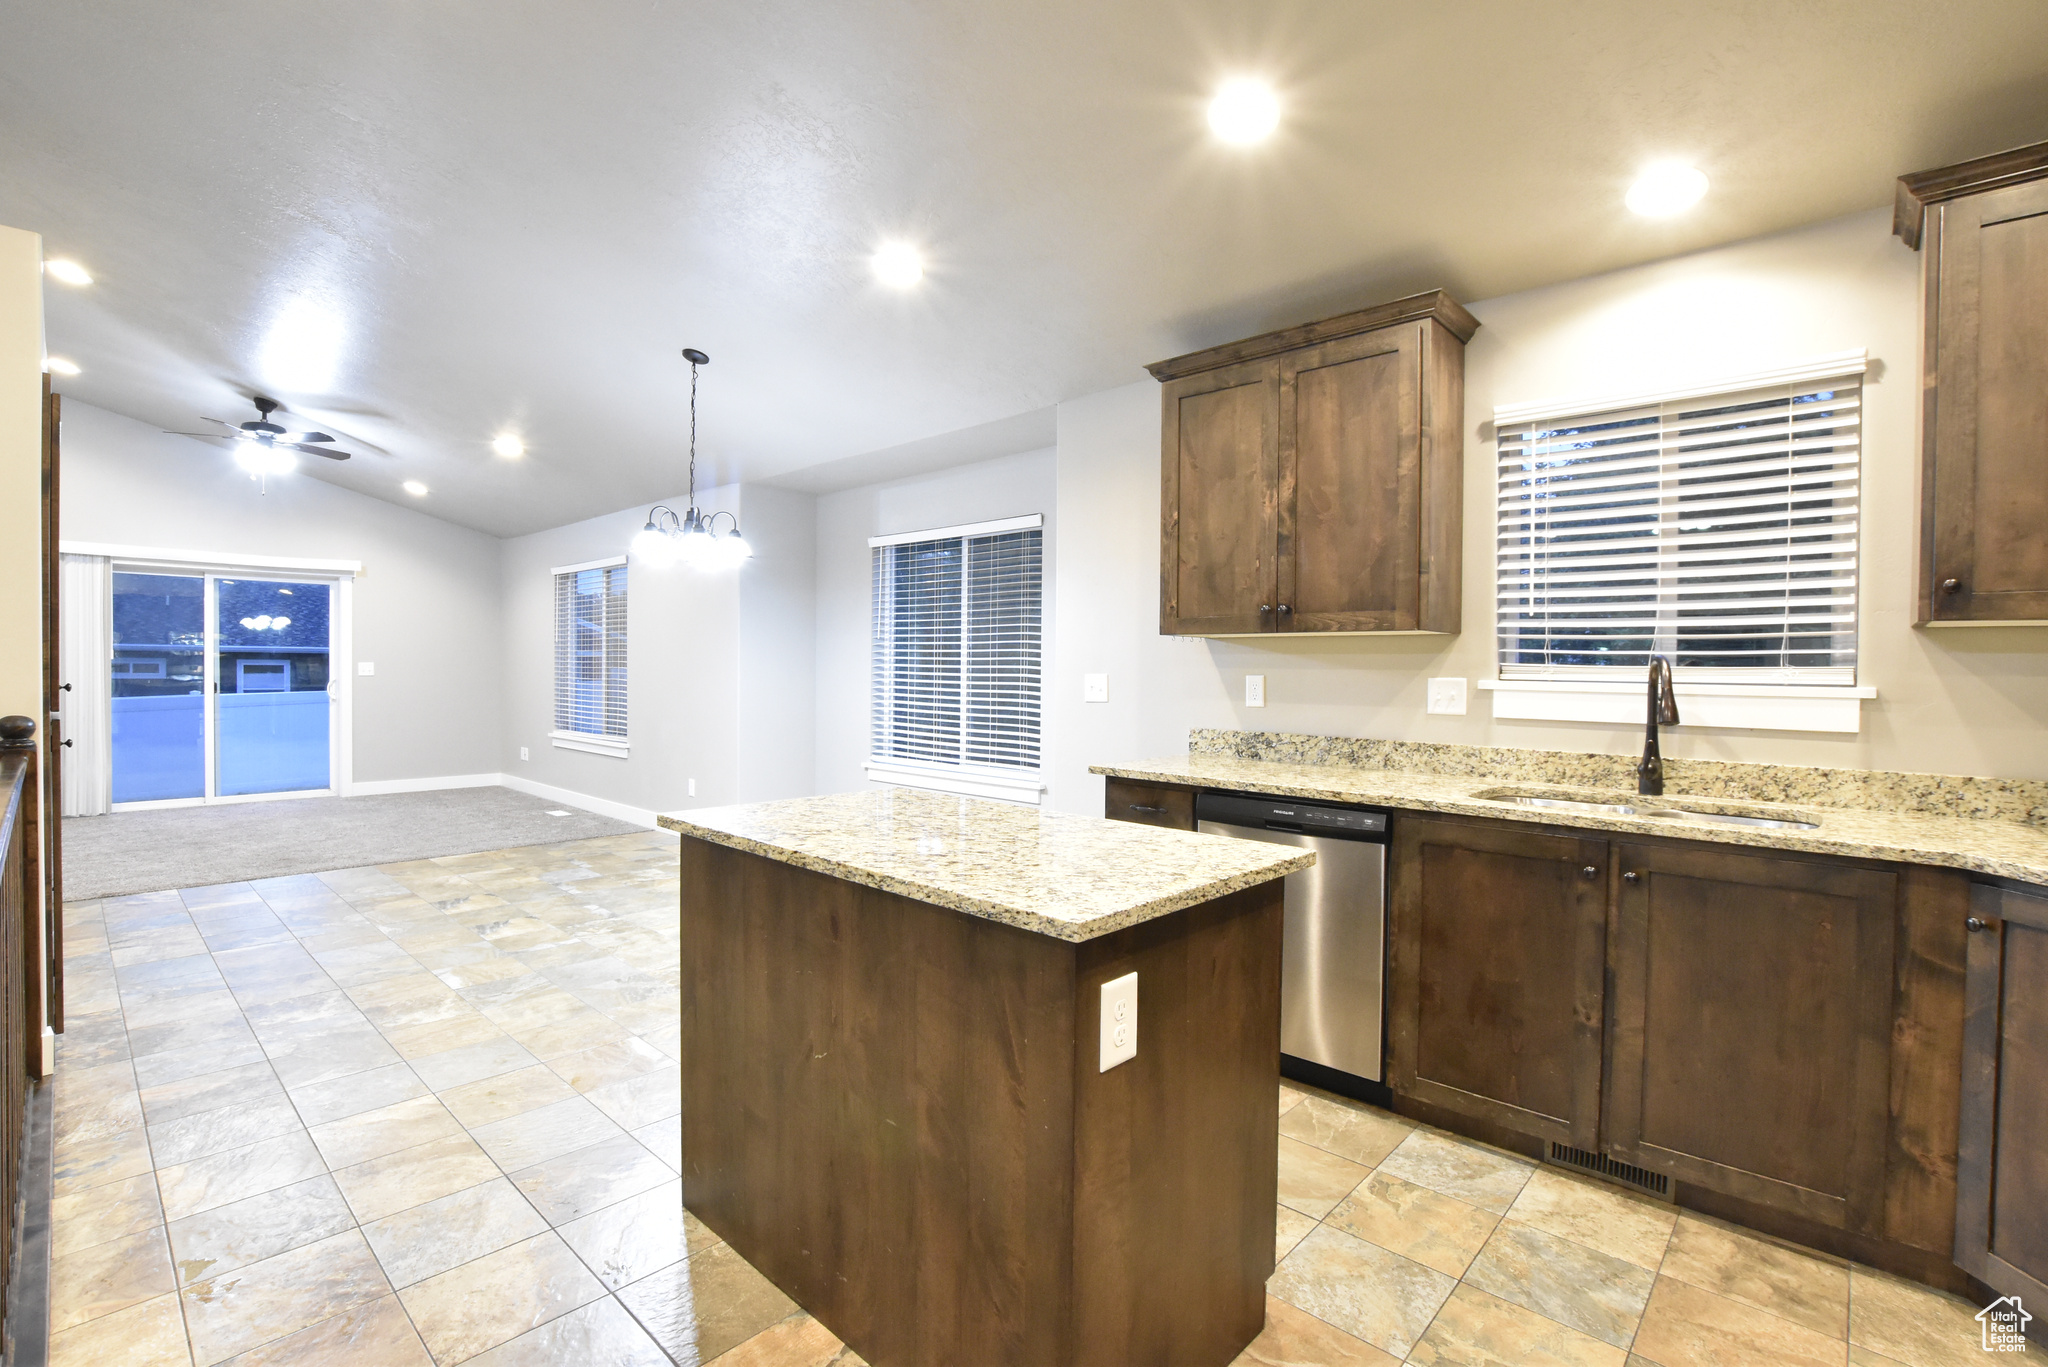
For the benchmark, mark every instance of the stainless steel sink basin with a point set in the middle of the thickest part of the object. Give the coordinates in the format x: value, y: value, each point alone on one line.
x: 1652, y: 808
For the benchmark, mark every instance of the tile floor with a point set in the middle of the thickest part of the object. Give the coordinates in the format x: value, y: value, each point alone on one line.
x: 427, y: 1113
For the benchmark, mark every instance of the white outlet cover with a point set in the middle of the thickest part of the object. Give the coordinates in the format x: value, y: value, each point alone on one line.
x: 1447, y: 697
x: 365, y: 668
x: 1254, y: 690
x: 1095, y: 688
x: 523, y: 754
x: 1119, y: 1021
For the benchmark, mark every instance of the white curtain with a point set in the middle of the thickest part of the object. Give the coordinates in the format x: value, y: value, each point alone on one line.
x: 85, y: 645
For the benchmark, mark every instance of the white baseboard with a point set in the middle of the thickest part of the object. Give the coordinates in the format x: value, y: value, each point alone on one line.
x: 618, y: 811
x: 378, y: 786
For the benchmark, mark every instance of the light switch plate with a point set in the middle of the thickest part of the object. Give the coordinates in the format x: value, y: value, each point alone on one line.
x: 1095, y: 688
x: 1254, y: 690
x: 364, y: 667
x: 1447, y: 696
x: 1119, y: 1021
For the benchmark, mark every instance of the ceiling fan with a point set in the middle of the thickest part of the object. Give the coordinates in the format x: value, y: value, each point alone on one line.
x: 263, y: 447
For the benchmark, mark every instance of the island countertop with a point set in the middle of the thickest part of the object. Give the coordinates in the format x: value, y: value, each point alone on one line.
x: 1071, y: 877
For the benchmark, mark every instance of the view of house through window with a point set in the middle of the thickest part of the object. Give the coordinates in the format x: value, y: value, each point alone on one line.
x: 590, y: 651
x: 956, y: 644
x: 219, y: 686
x: 1720, y: 531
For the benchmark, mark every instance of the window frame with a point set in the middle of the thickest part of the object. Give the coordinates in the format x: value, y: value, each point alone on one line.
x: 1000, y: 782
x: 1711, y: 696
x: 619, y: 745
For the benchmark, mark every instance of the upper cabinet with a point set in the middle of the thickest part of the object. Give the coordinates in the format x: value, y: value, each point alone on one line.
x: 1982, y: 230
x: 1312, y: 478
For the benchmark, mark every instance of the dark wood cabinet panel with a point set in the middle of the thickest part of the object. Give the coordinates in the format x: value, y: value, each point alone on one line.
x: 1149, y: 804
x: 1750, y: 1026
x: 1496, y: 974
x: 1312, y: 479
x: 1219, y: 484
x: 2002, y: 1178
x: 1984, y: 428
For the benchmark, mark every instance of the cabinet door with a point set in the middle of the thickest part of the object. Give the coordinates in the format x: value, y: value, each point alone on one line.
x: 1496, y: 945
x: 1218, y: 477
x: 1986, y: 469
x: 1351, y: 483
x: 2002, y: 1170
x: 1751, y: 1027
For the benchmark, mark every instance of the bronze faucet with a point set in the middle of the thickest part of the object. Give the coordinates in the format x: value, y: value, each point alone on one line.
x: 1663, y: 708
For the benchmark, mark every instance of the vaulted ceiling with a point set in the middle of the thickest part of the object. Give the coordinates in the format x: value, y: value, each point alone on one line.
x: 420, y: 224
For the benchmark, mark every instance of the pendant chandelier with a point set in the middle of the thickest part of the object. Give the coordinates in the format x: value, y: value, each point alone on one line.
x: 692, y: 538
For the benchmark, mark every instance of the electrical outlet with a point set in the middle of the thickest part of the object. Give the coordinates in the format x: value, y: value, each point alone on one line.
x: 1254, y: 690
x: 693, y: 787
x: 1095, y: 688
x: 1119, y: 1021
x: 1447, y: 696
x: 523, y: 754
x: 365, y: 668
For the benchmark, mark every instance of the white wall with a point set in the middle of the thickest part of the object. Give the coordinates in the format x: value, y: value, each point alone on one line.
x: 425, y: 608
x: 718, y: 663
x: 1952, y: 701
x: 1010, y: 486
x: 21, y: 473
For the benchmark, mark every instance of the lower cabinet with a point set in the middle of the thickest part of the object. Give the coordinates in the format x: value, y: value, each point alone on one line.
x: 1775, y: 1035
x: 1495, y: 948
x: 1749, y: 1027
x: 2002, y: 1170
x: 1148, y: 804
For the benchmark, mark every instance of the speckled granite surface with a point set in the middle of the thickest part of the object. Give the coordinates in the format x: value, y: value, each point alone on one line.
x: 1871, y: 790
x: 1982, y: 844
x: 1071, y: 877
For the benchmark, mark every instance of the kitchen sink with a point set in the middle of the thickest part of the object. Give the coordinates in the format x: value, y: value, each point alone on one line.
x: 1653, y: 808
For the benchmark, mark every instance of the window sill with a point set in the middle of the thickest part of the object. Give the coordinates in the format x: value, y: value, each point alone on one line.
x: 1026, y: 789
x: 590, y: 745
x: 1745, y: 707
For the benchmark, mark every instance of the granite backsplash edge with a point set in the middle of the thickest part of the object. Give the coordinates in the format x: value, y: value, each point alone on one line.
x: 1876, y: 790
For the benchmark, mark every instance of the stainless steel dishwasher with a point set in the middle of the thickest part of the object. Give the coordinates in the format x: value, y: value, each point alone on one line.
x: 1336, y: 923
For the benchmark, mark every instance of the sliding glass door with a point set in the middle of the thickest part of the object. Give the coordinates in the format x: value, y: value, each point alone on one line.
x: 220, y: 687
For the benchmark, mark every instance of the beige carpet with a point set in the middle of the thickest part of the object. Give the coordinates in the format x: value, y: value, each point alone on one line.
x: 193, y: 847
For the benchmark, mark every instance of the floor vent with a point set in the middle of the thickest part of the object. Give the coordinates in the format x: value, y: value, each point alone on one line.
x: 1628, y: 1174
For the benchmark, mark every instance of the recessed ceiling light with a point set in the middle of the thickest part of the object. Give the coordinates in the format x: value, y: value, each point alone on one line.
x: 57, y: 365
x: 1244, y: 111
x: 1665, y: 189
x: 70, y: 272
x: 415, y: 488
x: 898, y: 265
x: 508, y: 445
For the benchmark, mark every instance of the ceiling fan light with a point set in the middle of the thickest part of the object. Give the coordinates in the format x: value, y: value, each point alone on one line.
x: 260, y: 458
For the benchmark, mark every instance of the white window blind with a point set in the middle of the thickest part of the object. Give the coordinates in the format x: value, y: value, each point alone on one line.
x: 1720, y: 531
x: 590, y: 651
x: 956, y: 650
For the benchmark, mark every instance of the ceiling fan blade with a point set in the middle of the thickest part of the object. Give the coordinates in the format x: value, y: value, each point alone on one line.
x: 204, y: 436
x: 313, y: 450
x: 305, y: 436
x: 232, y: 427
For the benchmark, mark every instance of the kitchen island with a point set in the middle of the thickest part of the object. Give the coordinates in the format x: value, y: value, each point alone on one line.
x: 895, y: 1100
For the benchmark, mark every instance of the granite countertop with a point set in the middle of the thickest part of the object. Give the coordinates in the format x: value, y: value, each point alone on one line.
x: 2005, y: 849
x: 1070, y: 877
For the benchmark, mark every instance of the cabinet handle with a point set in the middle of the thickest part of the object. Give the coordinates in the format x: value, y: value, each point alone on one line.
x: 1156, y: 811
x: 1285, y: 608
x: 1977, y: 923
x: 1631, y: 877
x: 1951, y: 585
x: 1265, y: 607
x: 1589, y: 872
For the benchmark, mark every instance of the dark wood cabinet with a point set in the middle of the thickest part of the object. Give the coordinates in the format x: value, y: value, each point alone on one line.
x: 2002, y: 1169
x: 1749, y: 1026
x: 1312, y: 479
x: 1496, y: 948
x: 1148, y: 804
x: 1982, y: 228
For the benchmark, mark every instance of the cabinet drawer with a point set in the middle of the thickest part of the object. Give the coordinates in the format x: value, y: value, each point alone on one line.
x: 1151, y: 804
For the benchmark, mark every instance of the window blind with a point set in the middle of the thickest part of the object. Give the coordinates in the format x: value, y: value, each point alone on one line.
x: 1720, y: 531
x: 956, y: 650
x: 590, y: 651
